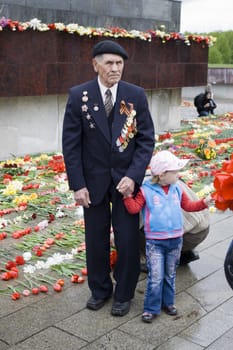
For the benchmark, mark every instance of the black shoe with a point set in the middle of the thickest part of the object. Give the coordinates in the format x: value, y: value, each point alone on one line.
x: 120, y: 309
x: 188, y: 256
x: 95, y: 304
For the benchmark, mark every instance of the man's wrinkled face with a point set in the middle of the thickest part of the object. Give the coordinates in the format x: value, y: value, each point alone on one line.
x: 109, y: 68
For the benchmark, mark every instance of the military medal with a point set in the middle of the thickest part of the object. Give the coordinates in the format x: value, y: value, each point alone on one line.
x: 85, y: 97
x: 129, y: 128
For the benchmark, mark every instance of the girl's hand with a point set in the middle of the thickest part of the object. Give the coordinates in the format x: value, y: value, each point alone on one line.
x: 208, y: 200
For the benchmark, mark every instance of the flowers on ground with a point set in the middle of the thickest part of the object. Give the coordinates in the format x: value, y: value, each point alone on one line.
x: 42, y: 229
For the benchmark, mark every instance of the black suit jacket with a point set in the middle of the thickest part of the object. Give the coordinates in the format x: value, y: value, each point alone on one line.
x: 93, y: 155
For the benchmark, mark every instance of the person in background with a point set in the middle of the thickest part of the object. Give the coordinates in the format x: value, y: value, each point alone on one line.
x: 196, y: 228
x: 108, y: 141
x: 160, y: 198
x: 205, y: 103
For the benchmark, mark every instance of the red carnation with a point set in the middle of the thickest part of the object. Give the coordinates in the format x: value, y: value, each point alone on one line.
x: 19, y: 260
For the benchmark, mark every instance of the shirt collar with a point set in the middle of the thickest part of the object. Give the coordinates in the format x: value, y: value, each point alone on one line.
x: 104, y: 88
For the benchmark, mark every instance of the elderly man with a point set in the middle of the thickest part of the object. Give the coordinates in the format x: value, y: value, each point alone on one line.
x: 108, y: 140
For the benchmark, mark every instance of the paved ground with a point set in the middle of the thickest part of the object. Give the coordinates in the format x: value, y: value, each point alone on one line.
x: 60, y: 320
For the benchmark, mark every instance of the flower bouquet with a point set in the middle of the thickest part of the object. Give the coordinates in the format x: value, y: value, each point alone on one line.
x: 206, y: 149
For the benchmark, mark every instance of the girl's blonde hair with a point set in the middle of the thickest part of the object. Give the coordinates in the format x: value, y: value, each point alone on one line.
x: 154, y: 179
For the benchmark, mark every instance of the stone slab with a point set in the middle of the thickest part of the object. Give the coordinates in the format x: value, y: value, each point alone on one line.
x: 212, y: 326
x: 224, y: 342
x: 208, y: 293
x: 50, y: 339
x: 34, y: 318
x: 89, y: 325
x: 157, y: 333
x: 119, y: 340
x: 177, y: 343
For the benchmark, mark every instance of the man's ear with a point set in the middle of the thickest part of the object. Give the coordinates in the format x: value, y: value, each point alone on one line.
x: 95, y: 65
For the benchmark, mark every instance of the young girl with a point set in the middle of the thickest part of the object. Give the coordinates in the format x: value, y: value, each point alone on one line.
x: 161, y: 199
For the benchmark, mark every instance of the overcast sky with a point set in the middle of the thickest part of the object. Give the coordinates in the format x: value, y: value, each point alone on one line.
x: 203, y: 16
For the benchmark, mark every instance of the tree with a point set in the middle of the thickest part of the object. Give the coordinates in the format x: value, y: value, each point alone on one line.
x: 223, y: 45
x: 215, y: 56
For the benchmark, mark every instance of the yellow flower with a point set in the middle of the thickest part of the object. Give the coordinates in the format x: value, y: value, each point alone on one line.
x: 207, y: 153
x: 205, y: 149
x: 21, y: 199
x: 33, y: 196
x: 212, y: 209
x: 10, y: 190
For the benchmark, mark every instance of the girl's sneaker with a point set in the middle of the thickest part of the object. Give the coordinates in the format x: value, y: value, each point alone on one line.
x: 147, y: 317
x: 170, y: 310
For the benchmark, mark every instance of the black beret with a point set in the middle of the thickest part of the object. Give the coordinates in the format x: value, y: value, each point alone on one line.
x: 109, y: 46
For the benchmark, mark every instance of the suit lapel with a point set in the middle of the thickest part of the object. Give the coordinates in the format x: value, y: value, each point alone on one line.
x: 96, y: 107
x: 119, y: 119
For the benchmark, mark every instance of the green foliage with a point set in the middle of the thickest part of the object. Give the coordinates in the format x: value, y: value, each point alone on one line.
x: 215, y: 55
x: 221, y: 52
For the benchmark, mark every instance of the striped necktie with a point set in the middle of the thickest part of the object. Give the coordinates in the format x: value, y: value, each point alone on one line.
x: 108, y: 102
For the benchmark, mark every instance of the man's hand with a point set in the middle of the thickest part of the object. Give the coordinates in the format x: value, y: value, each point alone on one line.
x: 82, y: 197
x: 126, y: 186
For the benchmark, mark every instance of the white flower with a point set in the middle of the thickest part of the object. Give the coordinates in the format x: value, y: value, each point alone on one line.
x: 43, y: 224
x: 59, y: 213
x: 40, y: 265
x: 168, y: 142
x: 27, y: 256
x: 63, y: 187
x: 55, y: 259
x: 29, y: 269
x: 79, y: 212
x: 60, y: 26
x: 34, y: 23
x: 68, y: 256
x: 74, y: 251
x: 43, y: 28
x: 17, y: 219
x: 72, y: 27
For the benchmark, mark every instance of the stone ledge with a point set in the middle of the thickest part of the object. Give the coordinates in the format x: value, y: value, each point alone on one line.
x: 45, y: 63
